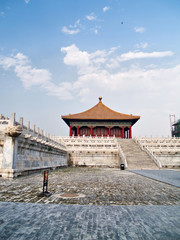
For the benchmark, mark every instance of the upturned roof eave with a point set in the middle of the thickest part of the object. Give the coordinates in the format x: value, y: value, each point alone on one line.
x: 99, y: 119
x: 133, y: 121
x: 100, y: 112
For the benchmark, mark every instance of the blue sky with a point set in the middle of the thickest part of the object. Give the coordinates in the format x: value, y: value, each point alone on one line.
x: 58, y: 57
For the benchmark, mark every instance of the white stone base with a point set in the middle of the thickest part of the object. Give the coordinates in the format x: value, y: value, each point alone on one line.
x: 9, y: 173
x: 169, y: 161
x: 101, y: 159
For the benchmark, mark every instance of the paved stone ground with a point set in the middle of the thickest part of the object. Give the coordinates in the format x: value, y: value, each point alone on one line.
x: 96, y: 186
x: 98, y: 213
x: 167, y: 176
x: 51, y: 221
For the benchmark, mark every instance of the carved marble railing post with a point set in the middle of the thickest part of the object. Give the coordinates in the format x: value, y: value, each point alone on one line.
x: 42, y: 133
x: 12, y: 119
x: 21, y: 121
x: 37, y: 131
x: 28, y: 125
x: 10, y: 148
x: 34, y: 128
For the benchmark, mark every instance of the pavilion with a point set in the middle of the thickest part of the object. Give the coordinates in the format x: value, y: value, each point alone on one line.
x: 100, y: 121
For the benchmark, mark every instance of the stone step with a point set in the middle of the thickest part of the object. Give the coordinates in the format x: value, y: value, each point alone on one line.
x: 135, y: 156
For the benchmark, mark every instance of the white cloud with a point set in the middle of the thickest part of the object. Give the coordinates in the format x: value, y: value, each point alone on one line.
x: 91, y: 17
x: 85, y: 61
x: 140, y: 55
x: 94, y: 72
x: 114, y: 62
x: 96, y: 31
x: 70, y: 31
x: 106, y: 8
x: 34, y: 77
x: 99, y: 71
x: 142, y: 45
x: 27, y: 1
x: 75, y: 57
x: 7, y: 62
x: 139, y: 29
x: 78, y: 27
x: 28, y: 75
x: 61, y: 91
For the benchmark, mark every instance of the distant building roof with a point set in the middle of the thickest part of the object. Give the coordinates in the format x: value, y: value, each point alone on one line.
x: 100, y: 112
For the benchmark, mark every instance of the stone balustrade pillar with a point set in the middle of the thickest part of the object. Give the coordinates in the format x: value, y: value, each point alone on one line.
x: 21, y: 121
x: 28, y: 125
x: 34, y: 128
x: 10, y: 149
x: 38, y: 130
x: 12, y: 119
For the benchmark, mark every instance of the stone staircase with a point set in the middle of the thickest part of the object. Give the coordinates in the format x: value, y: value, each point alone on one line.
x: 136, y: 158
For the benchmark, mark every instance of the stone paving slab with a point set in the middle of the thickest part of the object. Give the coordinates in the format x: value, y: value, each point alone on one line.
x: 171, y: 177
x: 93, y: 186
x: 39, y: 221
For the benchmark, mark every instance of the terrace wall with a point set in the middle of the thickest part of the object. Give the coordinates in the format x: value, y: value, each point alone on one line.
x: 23, y: 150
x: 92, y: 151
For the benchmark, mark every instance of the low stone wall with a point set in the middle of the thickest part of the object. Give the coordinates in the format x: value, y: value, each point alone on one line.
x: 24, y: 150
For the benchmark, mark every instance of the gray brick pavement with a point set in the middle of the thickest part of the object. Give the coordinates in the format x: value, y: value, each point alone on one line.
x: 99, y: 187
x: 52, y: 221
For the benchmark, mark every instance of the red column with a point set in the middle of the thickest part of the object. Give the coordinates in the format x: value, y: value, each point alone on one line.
x: 130, y: 132
x: 122, y: 132
x: 91, y: 131
x: 77, y: 131
x: 70, y: 131
x: 109, y: 132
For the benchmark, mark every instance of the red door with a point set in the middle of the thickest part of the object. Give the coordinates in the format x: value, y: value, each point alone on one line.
x: 84, y: 131
x: 100, y: 131
x: 116, y: 131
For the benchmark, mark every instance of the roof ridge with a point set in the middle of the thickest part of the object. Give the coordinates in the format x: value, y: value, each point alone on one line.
x: 81, y: 112
x: 100, y: 111
x: 115, y: 111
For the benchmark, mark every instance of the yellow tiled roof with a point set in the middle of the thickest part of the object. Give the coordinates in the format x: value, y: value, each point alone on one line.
x: 100, y: 112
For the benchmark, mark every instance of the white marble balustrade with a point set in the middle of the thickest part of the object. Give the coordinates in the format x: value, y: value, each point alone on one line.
x: 165, y: 150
